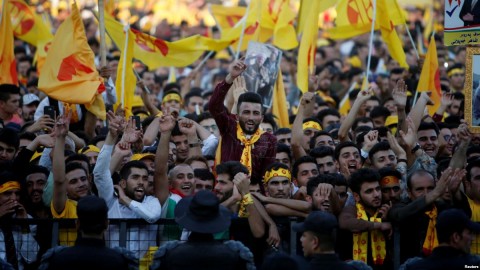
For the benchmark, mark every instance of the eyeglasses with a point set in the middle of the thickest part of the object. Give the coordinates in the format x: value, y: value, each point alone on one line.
x: 447, y: 138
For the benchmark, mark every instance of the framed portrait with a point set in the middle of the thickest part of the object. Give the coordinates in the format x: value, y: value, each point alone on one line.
x: 472, y: 89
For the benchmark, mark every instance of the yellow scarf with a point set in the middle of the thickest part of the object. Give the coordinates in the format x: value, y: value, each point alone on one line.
x: 431, y: 240
x: 246, y: 158
x: 475, y: 247
x: 360, y: 240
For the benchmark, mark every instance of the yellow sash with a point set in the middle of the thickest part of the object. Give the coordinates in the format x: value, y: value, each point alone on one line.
x: 360, y: 240
x: 431, y: 240
x: 246, y: 158
x: 475, y: 247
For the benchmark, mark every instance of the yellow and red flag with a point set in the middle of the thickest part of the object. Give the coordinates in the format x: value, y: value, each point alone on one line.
x: 279, y: 103
x: 8, y: 66
x: 155, y: 52
x: 430, y: 77
x: 27, y: 25
x: 389, y: 34
x: 281, y: 15
x: 126, y: 80
x: 69, y: 74
x: 227, y: 17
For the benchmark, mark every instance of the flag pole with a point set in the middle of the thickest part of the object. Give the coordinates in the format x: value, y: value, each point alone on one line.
x: 372, y: 32
x: 101, y: 22
x: 412, y: 41
x: 124, y: 64
x: 244, y: 25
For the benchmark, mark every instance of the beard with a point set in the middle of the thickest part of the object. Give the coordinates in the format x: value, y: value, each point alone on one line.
x: 226, y: 196
x: 248, y: 130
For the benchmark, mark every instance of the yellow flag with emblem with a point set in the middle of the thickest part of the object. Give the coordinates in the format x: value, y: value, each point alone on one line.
x: 8, y: 67
x: 69, y: 74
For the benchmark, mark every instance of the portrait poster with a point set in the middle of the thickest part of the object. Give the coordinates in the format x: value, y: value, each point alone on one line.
x: 472, y: 89
x: 263, y: 63
x: 462, y: 22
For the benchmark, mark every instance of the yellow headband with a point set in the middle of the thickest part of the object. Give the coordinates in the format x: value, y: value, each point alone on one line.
x: 88, y: 149
x: 274, y: 173
x: 311, y: 124
x: 389, y: 180
x: 172, y: 96
x: 455, y: 71
x: 9, y: 186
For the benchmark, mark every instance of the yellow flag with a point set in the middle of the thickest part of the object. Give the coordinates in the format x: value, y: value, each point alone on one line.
x: 282, y: 15
x: 155, y: 52
x: 8, y: 67
x: 126, y: 80
x: 27, y: 25
x: 305, y: 7
x: 430, y: 77
x: 279, y: 103
x: 354, y: 17
x: 307, y: 50
x: 227, y: 17
x: 69, y: 73
x: 389, y: 34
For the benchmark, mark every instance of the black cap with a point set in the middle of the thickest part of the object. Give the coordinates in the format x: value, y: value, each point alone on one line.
x: 92, y: 213
x: 317, y: 221
x: 454, y: 220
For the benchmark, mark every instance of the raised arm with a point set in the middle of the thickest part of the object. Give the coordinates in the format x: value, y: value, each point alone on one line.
x: 59, y: 180
x: 160, y: 180
x: 306, y: 105
x: 419, y: 108
x: 257, y: 226
x: 399, y: 95
x: 188, y: 128
x: 347, y: 123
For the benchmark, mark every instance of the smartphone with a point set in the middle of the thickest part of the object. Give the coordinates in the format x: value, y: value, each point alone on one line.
x: 136, y: 118
x: 50, y: 111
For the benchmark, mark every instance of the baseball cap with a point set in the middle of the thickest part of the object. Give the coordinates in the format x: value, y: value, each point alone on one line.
x: 29, y: 99
x: 454, y: 220
x: 317, y: 221
x: 142, y: 156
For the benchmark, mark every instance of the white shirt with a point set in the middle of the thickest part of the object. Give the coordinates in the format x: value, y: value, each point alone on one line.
x: 139, y: 237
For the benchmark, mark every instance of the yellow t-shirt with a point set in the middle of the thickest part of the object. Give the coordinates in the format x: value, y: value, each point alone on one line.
x: 66, y: 236
x: 475, y: 208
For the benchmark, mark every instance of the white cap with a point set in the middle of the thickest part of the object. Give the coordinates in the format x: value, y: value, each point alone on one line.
x: 30, y: 98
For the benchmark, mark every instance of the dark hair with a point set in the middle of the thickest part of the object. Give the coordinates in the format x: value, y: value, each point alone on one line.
x: 74, y: 166
x: 298, y: 162
x: 77, y: 157
x: 316, y: 135
x: 191, y: 159
x: 472, y: 163
x: 283, y: 148
x: 97, y: 139
x: 231, y: 168
x: 127, y: 168
x: 249, y: 97
x: 270, y: 119
x: 194, y: 92
x: 418, y: 172
x: 321, y: 114
x: 202, y: 116
x: 353, y: 94
x: 361, y: 120
x: 342, y: 145
x: 32, y: 168
x: 172, y: 88
x: 340, y: 180
x: 474, y: 149
x: 442, y: 165
x: 203, y: 174
x: 429, y: 125
x: 379, y: 112
x: 381, y: 146
x: 322, y: 151
x: 397, y: 71
x: 8, y: 89
x: 27, y: 136
x: 363, y: 175
x: 9, y: 137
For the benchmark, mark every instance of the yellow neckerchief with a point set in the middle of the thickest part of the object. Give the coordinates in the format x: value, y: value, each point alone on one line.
x: 360, y: 240
x: 246, y: 158
x: 431, y: 240
x: 475, y: 247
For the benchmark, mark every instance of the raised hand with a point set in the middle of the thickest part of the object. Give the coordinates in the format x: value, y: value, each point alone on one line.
x: 410, y: 138
x: 463, y: 133
x: 167, y: 123
x: 242, y: 182
x: 187, y: 126
x: 123, y: 148
x: 116, y: 123
x: 307, y: 97
x: 237, y: 69
x: 105, y: 72
x: 370, y: 139
x: 399, y: 94
x: 62, y: 124
x: 46, y: 140
x: 426, y: 96
x: 312, y: 83
x: 43, y: 123
x: 447, y: 99
x: 395, y: 146
x: 130, y: 133
x: 364, y: 95
x: 239, y: 87
x: 457, y: 178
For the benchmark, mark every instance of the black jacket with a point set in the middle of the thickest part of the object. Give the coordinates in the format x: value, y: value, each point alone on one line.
x: 445, y: 258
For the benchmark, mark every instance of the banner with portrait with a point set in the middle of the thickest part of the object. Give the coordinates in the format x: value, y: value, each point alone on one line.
x: 462, y: 22
x: 472, y: 89
x: 263, y: 62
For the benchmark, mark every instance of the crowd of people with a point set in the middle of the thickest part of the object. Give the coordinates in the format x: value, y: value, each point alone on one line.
x: 385, y: 185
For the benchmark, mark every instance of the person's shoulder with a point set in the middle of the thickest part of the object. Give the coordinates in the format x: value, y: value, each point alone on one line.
x: 161, y: 253
x: 48, y: 257
x: 244, y: 253
x: 128, y: 256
